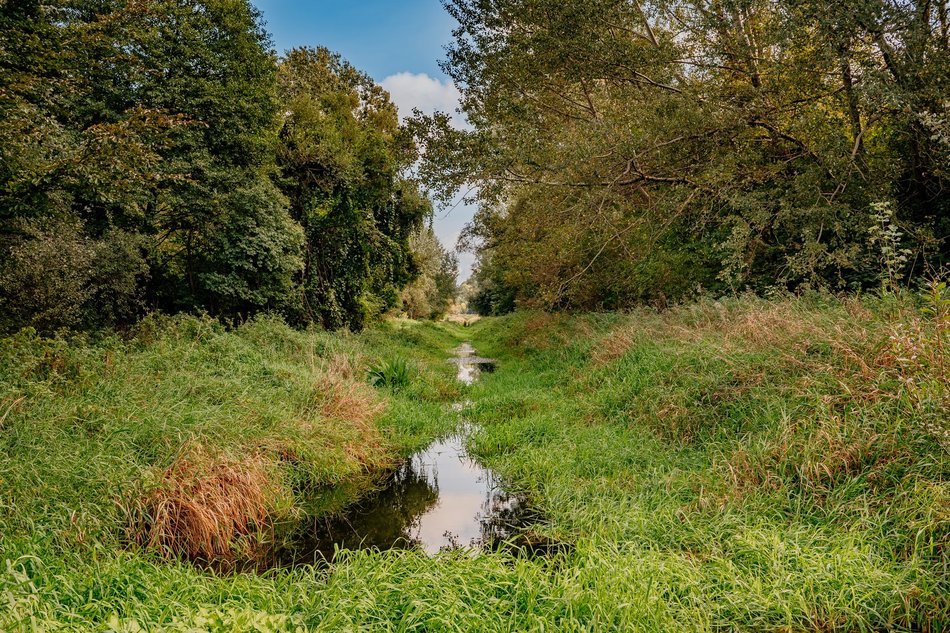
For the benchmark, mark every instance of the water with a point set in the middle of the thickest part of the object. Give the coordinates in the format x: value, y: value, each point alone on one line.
x: 470, y: 365
x: 439, y: 499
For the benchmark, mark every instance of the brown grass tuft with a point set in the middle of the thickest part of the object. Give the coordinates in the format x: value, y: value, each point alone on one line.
x: 614, y: 345
x: 343, y: 396
x: 340, y: 394
x: 207, y: 508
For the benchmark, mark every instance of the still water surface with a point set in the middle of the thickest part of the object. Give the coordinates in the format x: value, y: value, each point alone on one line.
x: 440, y: 498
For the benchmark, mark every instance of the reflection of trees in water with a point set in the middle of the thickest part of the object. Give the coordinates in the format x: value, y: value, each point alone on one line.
x: 382, y: 519
x: 506, y: 524
x: 503, y: 515
x: 391, y: 517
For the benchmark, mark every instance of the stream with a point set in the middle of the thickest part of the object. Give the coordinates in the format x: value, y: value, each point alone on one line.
x: 439, y: 499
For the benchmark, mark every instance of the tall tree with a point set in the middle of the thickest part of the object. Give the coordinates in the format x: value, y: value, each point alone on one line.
x: 644, y: 147
x: 342, y: 157
x: 148, y: 120
x: 434, y: 288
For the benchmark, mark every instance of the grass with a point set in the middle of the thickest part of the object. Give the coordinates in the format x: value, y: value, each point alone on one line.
x: 735, y: 465
x: 776, y: 454
x: 185, y: 428
x: 394, y: 373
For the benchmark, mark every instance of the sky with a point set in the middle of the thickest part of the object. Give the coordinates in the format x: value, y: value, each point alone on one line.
x: 399, y: 43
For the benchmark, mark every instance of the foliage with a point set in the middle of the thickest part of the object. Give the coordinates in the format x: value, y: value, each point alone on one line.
x: 493, y: 287
x: 168, y: 132
x: 395, y: 374
x: 55, y: 277
x: 628, y: 152
x: 169, y: 142
x: 433, y: 290
x: 248, y: 258
x: 886, y: 237
x: 341, y: 156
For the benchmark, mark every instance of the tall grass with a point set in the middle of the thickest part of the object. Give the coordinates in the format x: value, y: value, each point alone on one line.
x: 779, y: 450
x: 740, y: 465
x: 184, y: 428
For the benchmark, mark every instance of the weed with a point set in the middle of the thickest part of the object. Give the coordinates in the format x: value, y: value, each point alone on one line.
x: 209, y: 508
x: 395, y: 374
x: 342, y: 396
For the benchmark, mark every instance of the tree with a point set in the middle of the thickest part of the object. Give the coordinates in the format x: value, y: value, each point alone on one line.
x: 342, y: 155
x: 153, y: 120
x: 434, y: 288
x: 629, y: 151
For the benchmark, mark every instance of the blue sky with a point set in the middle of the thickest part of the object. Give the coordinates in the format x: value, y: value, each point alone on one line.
x: 398, y: 42
x: 381, y: 37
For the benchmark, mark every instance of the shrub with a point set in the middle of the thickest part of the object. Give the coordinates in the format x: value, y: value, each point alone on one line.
x: 55, y: 277
x: 44, y: 278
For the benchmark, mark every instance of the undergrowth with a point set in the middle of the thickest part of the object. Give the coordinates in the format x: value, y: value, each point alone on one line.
x: 743, y: 464
x: 186, y: 439
x: 789, y: 456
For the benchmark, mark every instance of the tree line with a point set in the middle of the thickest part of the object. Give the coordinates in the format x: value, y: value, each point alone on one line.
x: 158, y: 155
x: 629, y: 151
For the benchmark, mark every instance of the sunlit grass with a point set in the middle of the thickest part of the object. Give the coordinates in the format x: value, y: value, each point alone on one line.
x: 734, y: 465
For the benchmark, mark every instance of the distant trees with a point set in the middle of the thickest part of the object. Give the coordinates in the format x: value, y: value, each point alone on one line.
x: 431, y: 293
x: 157, y: 155
x: 629, y: 151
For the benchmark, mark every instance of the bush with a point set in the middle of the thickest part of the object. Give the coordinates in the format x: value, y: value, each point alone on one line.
x: 44, y: 278
x: 55, y: 277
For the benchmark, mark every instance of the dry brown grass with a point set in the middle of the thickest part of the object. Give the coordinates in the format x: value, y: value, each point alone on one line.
x: 722, y: 328
x: 617, y: 342
x: 343, y: 396
x: 757, y: 325
x: 815, y: 459
x: 834, y: 452
x: 340, y: 394
x: 209, y: 508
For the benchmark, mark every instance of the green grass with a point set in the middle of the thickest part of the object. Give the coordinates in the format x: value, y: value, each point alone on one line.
x: 734, y: 465
x: 394, y: 373
x: 91, y: 425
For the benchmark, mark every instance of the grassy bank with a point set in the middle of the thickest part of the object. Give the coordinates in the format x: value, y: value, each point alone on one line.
x: 185, y: 440
x: 747, y: 464
x: 738, y: 465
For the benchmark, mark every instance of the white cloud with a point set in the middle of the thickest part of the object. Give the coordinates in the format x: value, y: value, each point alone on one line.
x: 412, y: 90
x: 419, y: 90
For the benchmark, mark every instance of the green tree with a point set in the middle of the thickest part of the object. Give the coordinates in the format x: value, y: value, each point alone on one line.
x: 628, y: 151
x: 342, y: 157
x: 156, y: 120
x: 434, y: 288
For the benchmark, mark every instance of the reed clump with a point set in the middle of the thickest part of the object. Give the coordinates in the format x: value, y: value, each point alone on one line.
x: 209, y: 508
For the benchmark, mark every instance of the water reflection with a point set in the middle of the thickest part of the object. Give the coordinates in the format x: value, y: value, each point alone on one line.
x: 440, y: 498
x: 470, y: 365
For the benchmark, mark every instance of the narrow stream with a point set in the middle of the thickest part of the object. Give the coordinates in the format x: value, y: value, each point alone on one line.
x: 440, y: 498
